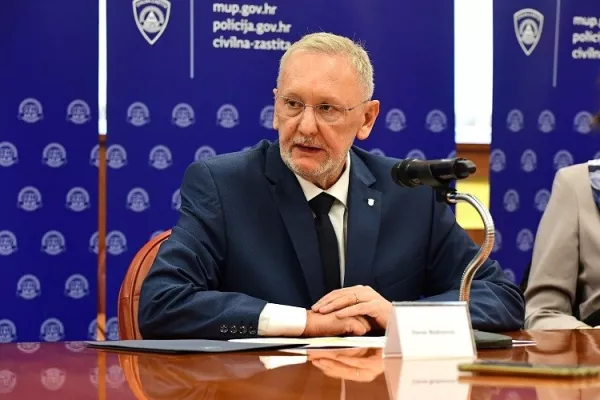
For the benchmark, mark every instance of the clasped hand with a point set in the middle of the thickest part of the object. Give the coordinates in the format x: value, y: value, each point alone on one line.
x: 349, y: 311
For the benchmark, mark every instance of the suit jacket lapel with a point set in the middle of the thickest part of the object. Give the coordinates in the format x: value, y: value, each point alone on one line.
x: 298, y: 220
x: 364, y: 218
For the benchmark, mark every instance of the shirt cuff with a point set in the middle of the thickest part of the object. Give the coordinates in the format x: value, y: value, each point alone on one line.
x: 280, y: 320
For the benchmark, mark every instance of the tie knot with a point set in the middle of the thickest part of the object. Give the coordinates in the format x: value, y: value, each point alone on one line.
x: 322, y: 203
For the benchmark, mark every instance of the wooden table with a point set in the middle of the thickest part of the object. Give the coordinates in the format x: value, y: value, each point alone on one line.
x: 69, y: 370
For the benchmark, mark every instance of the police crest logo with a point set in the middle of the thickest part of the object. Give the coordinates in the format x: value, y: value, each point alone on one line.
x: 416, y: 154
x: 52, y: 330
x: 53, y: 378
x: 546, y: 121
x: 583, y: 122
x: 9, y: 155
x: 266, y: 117
x: 28, y: 287
x: 78, y: 112
x: 115, y: 376
x: 511, y: 200
x: 510, y: 275
x: 112, y: 329
x: 8, y: 331
x: 542, y: 197
x: 528, y: 24
x: 228, y: 116
x: 497, y: 160
x: 30, y: 111
x: 8, y: 243
x: 395, y: 120
x: 138, y: 200
x: 176, y: 200
x: 54, y: 155
x: 116, y: 243
x: 8, y: 381
x: 77, y: 286
x: 529, y: 160
x: 183, y: 115
x: 562, y: 158
x: 436, y: 121
x: 151, y: 18
x: 204, y: 152
x: 497, y: 241
x: 28, y: 347
x: 525, y: 240
x: 29, y: 199
x: 514, y: 120
x: 53, y: 243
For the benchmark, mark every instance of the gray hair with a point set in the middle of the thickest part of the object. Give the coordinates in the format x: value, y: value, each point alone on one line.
x: 332, y: 44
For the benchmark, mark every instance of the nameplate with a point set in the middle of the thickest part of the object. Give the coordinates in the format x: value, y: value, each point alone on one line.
x: 425, y: 379
x: 429, y: 330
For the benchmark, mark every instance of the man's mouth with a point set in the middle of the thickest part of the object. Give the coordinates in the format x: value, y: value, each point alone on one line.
x: 308, y: 148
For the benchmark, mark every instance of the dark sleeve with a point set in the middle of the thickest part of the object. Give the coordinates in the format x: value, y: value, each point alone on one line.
x: 496, y: 304
x: 180, y: 297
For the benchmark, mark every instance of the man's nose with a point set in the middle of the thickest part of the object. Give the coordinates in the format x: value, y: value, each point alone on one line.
x: 308, y: 122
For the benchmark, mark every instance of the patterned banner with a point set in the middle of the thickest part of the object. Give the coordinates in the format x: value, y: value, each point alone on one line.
x: 546, y: 67
x: 191, y: 79
x: 48, y: 127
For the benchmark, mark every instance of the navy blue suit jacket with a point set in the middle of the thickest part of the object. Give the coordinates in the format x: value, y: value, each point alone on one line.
x: 246, y: 236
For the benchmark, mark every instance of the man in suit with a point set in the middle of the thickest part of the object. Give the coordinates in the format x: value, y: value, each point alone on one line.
x: 309, y: 235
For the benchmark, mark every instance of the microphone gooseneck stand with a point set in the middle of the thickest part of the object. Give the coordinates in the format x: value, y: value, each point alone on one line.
x: 449, y: 195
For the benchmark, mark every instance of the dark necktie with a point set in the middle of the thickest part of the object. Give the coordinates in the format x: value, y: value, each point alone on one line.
x: 328, y: 245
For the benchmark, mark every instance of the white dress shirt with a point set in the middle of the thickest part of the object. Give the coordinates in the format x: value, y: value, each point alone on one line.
x: 282, y: 320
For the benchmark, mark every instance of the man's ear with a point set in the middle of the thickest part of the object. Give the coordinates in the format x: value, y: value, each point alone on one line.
x: 371, y: 112
x: 275, y: 121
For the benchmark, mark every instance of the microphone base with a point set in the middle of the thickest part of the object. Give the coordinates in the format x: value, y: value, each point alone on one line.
x: 488, y: 340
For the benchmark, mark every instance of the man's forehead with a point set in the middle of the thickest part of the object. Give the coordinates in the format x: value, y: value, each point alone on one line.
x: 318, y: 74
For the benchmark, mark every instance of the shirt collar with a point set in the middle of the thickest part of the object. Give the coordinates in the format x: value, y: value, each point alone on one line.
x: 339, y: 190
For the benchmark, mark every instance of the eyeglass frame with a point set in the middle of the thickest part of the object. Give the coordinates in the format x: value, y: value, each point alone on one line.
x: 346, y: 109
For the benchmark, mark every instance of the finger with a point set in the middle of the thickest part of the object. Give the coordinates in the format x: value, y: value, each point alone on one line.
x: 355, y: 362
x: 329, y: 297
x: 337, y: 366
x: 357, y: 326
x: 349, y: 299
x: 371, y: 308
x: 338, y: 370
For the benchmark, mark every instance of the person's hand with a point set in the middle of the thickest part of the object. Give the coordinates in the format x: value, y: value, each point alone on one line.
x: 356, y: 301
x: 330, y: 325
x: 360, y: 365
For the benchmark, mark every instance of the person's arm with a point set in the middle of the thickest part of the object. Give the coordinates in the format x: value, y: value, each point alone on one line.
x: 552, y: 284
x: 180, y: 296
x: 496, y: 304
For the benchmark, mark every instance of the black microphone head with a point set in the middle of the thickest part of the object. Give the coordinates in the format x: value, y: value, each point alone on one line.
x: 401, y: 173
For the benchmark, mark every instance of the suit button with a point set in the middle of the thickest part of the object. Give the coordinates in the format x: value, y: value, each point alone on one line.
x: 223, y: 329
x: 252, y: 332
x: 242, y: 329
x: 233, y: 329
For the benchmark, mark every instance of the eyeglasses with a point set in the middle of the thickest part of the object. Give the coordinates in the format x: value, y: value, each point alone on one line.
x: 286, y: 107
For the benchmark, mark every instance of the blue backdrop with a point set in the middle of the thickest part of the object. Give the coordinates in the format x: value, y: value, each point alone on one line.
x: 48, y: 127
x: 191, y: 79
x: 545, y: 71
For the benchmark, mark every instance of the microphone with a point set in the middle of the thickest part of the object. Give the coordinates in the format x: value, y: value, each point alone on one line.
x: 436, y: 173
